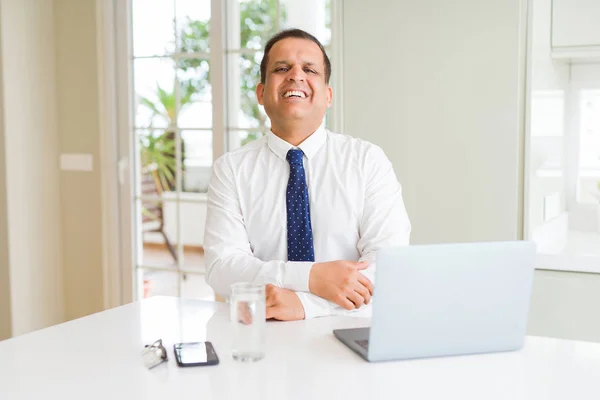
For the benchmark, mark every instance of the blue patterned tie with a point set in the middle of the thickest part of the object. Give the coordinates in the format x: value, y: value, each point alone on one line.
x: 299, y: 231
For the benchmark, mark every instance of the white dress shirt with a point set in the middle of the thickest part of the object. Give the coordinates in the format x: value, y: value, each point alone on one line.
x: 355, y: 201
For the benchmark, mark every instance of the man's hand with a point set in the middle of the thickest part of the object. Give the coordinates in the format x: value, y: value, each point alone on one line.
x: 283, y: 304
x: 341, y: 283
x: 244, y: 313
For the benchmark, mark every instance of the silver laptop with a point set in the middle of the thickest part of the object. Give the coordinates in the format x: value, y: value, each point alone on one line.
x: 447, y: 299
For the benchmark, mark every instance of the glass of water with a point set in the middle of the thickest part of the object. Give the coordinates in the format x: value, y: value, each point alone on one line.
x: 248, y: 312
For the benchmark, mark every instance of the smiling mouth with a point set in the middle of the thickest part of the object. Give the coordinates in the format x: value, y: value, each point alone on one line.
x: 294, y: 94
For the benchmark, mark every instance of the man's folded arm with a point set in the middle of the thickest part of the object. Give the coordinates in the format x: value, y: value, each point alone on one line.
x: 228, y: 255
x: 229, y: 258
x: 384, y: 223
x: 315, y: 306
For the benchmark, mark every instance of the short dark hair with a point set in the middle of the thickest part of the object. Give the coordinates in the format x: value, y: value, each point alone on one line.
x: 298, y: 34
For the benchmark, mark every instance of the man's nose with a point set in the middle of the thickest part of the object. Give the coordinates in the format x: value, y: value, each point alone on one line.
x: 296, y: 74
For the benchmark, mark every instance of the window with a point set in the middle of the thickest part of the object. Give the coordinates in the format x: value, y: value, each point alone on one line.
x: 547, y: 132
x: 588, y: 174
x: 564, y: 162
x: 547, y: 113
x: 193, y: 96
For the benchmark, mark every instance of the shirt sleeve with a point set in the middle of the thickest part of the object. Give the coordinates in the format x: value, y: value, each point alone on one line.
x: 384, y: 223
x: 229, y: 258
x: 315, y: 306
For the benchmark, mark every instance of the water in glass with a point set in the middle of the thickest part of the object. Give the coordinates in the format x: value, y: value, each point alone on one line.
x: 248, y: 311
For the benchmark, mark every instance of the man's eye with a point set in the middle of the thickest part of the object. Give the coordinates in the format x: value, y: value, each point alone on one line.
x: 281, y: 69
x: 311, y: 71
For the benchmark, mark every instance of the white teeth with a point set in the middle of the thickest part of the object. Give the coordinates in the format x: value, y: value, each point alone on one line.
x: 296, y: 93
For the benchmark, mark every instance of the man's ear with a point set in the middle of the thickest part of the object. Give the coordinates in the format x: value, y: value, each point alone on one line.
x: 260, y: 91
x: 329, y: 96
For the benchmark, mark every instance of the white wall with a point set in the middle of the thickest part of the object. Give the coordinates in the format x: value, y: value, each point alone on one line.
x: 440, y: 86
x: 565, y: 305
x: 436, y: 84
x: 31, y: 156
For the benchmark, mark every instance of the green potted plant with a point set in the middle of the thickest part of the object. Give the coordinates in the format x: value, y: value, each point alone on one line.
x: 158, y: 151
x: 157, y: 157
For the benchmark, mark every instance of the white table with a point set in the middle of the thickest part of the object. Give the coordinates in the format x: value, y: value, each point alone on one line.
x: 98, y: 357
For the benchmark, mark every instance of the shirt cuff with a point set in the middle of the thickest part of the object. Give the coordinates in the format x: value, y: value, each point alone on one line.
x: 314, y: 306
x: 296, y: 275
x: 369, y: 272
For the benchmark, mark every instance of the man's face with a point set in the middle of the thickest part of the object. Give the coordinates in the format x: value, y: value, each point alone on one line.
x: 295, y: 89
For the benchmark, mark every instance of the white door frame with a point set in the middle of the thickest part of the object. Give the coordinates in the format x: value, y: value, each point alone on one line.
x: 113, y: 47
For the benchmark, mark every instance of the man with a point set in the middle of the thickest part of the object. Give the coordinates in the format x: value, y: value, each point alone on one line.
x: 302, y: 209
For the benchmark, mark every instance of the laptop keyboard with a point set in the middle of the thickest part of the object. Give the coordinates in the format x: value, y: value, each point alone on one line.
x: 363, y: 343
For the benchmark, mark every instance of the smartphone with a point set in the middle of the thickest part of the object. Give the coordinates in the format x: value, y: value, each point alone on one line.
x: 195, y: 354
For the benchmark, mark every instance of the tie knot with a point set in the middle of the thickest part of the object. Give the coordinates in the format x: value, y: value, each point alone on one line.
x: 294, y: 157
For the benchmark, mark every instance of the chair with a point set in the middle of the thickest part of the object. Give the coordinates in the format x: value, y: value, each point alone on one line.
x: 152, y: 210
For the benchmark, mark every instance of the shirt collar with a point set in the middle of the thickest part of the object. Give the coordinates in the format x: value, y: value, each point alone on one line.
x: 309, y: 147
